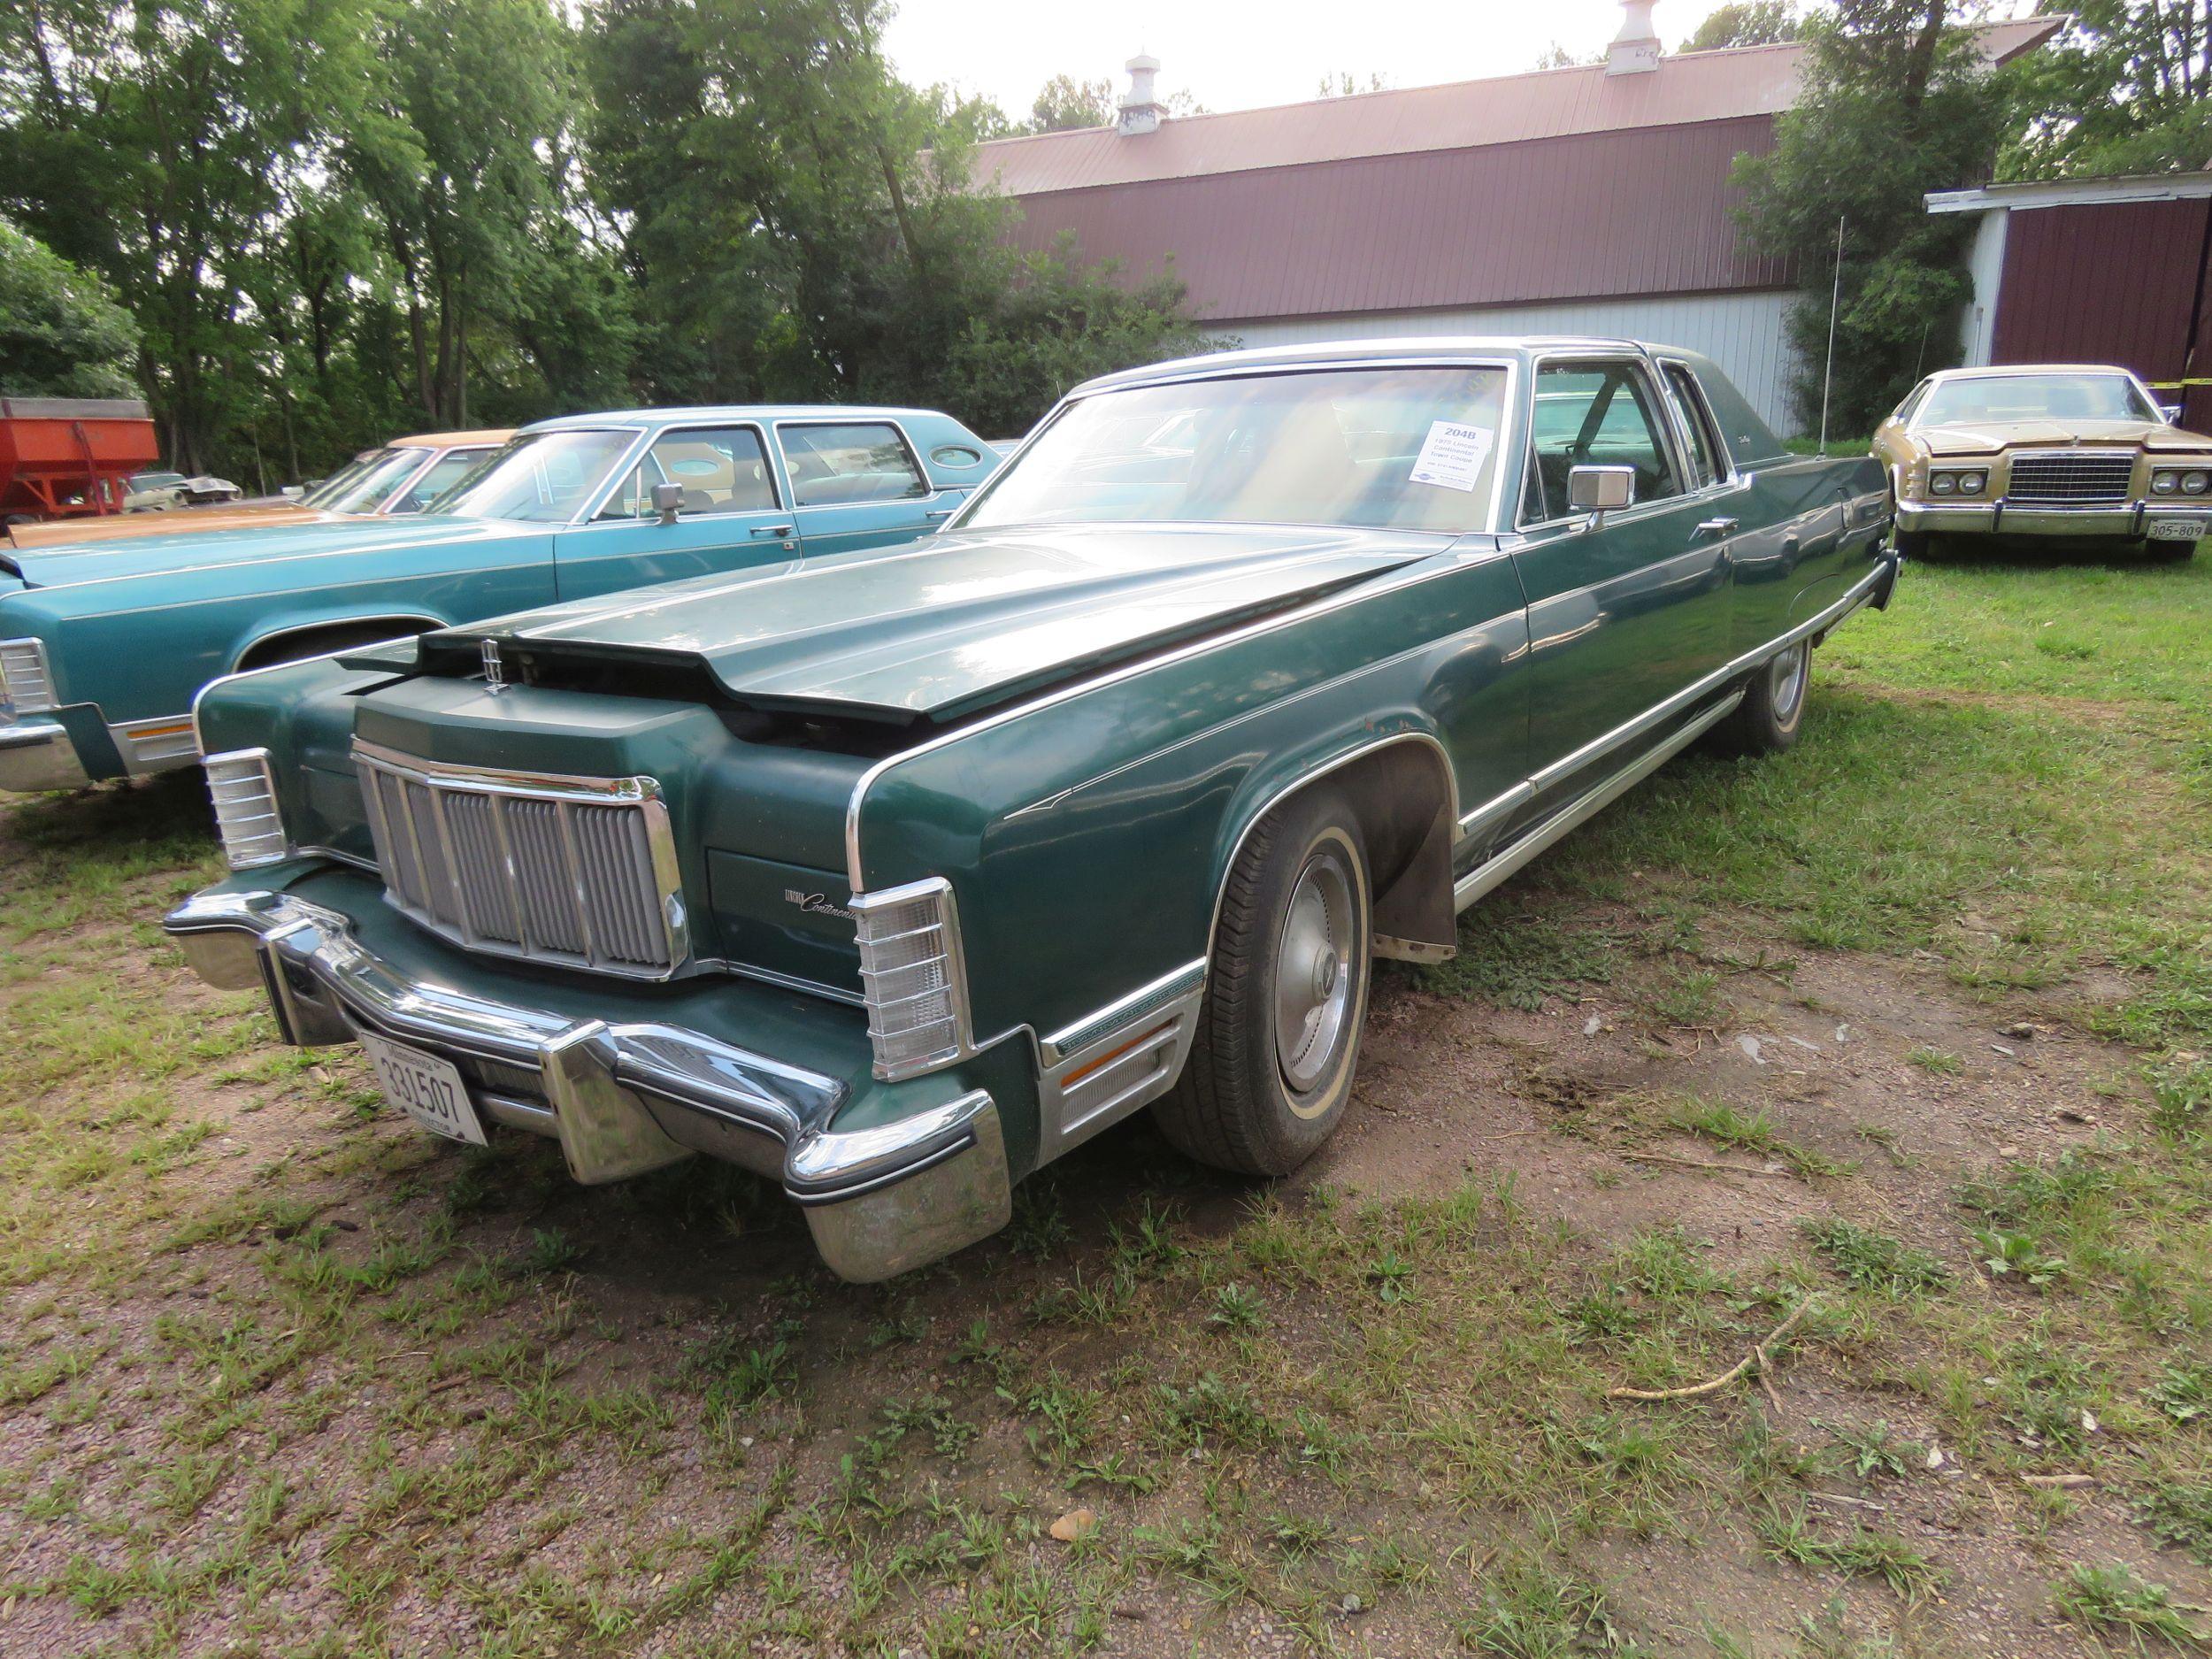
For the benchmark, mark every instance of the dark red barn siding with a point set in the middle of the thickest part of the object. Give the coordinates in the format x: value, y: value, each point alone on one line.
x: 1585, y: 216
x: 2104, y: 282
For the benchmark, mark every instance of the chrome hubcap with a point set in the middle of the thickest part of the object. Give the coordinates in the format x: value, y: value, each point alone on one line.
x: 1787, y: 686
x: 1313, y: 982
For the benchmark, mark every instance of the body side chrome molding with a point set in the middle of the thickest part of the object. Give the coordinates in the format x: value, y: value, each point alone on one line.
x: 1495, y: 871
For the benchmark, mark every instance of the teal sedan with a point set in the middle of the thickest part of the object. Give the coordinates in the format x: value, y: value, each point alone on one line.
x: 895, y: 878
x: 104, y: 645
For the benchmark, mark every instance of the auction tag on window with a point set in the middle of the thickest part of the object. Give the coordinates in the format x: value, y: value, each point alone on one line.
x: 1452, y: 455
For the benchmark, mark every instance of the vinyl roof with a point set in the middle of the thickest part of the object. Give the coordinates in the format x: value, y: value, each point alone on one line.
x: 1687, y: 88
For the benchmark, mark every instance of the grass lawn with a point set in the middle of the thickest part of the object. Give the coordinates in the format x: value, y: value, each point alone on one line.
x: 1874, y: 1081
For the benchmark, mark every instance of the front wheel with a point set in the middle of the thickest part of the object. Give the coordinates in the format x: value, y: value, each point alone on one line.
x: 1767, y: 720
x: 1270, y: 1071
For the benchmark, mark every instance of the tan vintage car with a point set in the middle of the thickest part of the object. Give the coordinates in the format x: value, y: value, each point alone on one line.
x: 2072, y: 450
x: 396, y: 478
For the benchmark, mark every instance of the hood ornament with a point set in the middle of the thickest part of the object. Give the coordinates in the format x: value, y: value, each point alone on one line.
x: 494, y: 671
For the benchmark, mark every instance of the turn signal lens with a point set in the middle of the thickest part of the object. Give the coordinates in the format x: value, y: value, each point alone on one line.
x: 911, y: 972
x: 25, y: 687
x: 246, y: 814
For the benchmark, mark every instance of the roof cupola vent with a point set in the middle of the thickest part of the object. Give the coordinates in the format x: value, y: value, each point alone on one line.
x: 1141, y: 110
x: 1635, y: 49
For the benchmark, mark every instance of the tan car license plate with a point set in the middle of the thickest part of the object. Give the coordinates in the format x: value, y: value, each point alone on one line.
x: 2177, y: 529
x: 426, y: 1088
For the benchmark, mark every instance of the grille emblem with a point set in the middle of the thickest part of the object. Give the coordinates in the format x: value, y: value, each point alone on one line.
x: 494, y: 671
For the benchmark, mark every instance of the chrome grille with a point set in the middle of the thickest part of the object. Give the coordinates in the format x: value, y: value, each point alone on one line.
x: 2075, y: 476
x: 580, y: 872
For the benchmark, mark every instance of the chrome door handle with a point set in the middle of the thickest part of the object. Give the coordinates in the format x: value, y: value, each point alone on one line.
x: 777, y: 531
x: 1719, y: 527
x: 941, y: 512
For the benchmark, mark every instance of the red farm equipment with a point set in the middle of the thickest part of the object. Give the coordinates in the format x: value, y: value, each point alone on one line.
x: 68, y: 457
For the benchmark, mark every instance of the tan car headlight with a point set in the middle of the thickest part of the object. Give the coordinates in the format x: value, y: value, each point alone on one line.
x: 1973, y: 483
x: 1942, y: 483
x: 2195, y: 483
x: 2165, y: 483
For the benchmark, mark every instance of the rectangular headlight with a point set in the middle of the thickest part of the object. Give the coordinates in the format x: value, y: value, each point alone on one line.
x: 246, y: 814
x: 911, y: 971
x: 26, y: 687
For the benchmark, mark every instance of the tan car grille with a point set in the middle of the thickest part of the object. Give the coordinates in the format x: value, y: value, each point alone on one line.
x: 2071, y: 480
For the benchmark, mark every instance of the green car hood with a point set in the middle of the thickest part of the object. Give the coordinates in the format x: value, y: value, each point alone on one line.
x: 956, y: 621
x: 70, y: 564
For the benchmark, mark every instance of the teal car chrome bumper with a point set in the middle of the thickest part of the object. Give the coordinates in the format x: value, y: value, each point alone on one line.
x: 925, y: 1175
x: 39, y: 753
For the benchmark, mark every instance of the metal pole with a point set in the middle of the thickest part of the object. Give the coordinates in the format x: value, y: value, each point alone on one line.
x: 1835, y: 302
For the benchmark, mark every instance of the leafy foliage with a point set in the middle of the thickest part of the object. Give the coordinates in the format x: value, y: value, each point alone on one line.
x: 1896, y: 102
x: 335, y: 219
x: 61, y: 331
x: 2124, y: 89
x: 1747, y: 23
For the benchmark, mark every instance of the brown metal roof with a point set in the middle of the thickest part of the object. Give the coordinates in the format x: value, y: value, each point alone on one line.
x: 1690, y: 88
x: 1585, y: 216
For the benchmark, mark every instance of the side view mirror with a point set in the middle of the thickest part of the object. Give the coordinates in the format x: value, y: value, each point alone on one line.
x: 1598, y: 490
x: 667, y: 499
x: 2171, y: 413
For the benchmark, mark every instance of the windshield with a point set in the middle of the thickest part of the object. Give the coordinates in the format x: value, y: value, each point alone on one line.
x: 342, y: 479
x: 1999, y: 397
x: 539, y: 478
x: 363, y: 486
x: 1411, y: 449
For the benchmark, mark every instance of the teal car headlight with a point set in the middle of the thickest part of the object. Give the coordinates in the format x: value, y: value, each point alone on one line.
x: 25, y: 686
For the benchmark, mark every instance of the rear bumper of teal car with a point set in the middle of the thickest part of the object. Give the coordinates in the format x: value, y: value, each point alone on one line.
x: 891, y: 1175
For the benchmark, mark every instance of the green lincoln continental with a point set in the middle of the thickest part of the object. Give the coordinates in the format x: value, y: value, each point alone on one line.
x: 895, y: 876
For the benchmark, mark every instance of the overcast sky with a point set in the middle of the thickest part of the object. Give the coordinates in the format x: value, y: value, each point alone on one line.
x: 1241, y: 54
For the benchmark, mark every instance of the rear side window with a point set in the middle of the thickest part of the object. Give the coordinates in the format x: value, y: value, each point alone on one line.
x: 720, y: 469
x: 858, y: 461
x: 1594, y: 414
x: 1697, y: 420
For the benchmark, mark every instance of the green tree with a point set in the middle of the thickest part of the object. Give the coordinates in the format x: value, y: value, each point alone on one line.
x: 456, y: 154
x: 1345, y: 84
x: 1059, y: 322
x: 1895, y: 102
x: 2126, y: 89
x: 154, y: 144
x: 1063, y: 103
x: 800, y: 225
x: 62, y: 333
x: 1747, y: 23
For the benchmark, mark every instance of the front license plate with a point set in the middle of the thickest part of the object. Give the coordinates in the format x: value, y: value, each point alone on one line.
x: 426, y: 1088
x: 2177, y: 529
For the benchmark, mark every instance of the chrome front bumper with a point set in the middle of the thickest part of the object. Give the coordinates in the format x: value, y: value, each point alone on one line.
x: 622, y: 1099
x: 2003, y: 518
x: 38, y: 754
